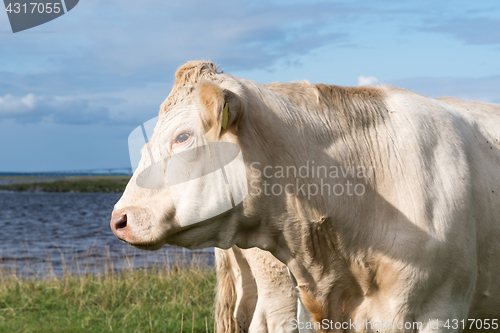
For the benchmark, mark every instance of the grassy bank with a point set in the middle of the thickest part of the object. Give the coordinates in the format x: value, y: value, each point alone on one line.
x: 177, y: 300
x: 81, y: 184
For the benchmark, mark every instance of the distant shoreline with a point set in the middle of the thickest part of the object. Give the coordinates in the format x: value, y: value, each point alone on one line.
x: 73, y: 184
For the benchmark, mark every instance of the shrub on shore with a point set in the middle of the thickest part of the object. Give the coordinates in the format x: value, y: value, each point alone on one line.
x: 75, y: 185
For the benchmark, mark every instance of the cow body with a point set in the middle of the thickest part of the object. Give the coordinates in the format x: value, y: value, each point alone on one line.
x: 407, y: 235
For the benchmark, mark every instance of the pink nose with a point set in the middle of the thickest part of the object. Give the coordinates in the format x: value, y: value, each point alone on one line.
x: 118, y: 225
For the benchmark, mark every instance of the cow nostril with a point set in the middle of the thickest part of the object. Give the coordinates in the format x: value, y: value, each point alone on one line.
x: 122, y: 222
x: 119, y: 222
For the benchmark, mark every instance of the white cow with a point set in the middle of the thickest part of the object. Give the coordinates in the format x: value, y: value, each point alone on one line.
x: 384, y: 204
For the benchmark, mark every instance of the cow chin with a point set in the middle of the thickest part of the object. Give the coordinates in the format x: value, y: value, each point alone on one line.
x: 148, y: 247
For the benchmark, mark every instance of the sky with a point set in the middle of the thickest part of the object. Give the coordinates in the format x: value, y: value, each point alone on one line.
x: 73, y: 89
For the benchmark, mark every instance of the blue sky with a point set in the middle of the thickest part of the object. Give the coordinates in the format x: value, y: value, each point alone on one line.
x: 72, y: 90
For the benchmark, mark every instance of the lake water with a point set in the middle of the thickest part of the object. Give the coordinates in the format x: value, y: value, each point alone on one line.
x: 44, y: 234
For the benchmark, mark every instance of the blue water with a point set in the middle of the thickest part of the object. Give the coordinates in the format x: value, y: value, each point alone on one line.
x: 45, y: 234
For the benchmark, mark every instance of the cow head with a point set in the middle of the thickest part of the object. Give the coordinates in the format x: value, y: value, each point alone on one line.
x: 191, y: 176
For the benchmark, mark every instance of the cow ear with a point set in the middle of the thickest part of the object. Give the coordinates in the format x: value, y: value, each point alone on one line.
x: 221, y: 109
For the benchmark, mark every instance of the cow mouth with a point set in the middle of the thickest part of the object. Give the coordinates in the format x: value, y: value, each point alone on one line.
x: 141, y: 245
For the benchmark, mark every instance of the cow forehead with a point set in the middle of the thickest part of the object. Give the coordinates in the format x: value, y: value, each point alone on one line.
x: 184, y: 113
x: 178, y: 95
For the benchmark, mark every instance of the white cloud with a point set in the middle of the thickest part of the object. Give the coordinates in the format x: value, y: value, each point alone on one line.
x: 11, y: 105
x: 58, y: 109
x: 367, y: 80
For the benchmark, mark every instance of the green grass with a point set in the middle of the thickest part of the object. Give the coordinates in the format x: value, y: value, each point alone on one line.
x: 175, y: 300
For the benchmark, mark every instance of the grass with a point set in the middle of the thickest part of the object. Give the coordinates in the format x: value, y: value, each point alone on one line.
x: 175, y: 300
x: 81, y: 184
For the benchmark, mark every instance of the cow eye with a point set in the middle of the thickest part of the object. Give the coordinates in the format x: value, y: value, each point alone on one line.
x: 181, y: 138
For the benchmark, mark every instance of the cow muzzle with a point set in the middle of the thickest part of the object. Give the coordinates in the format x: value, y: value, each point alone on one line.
x: 139, y: 228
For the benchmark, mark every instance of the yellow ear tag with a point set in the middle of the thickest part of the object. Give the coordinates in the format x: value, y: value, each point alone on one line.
x: 225, y: 116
